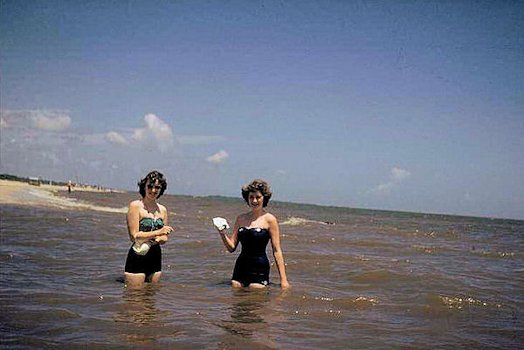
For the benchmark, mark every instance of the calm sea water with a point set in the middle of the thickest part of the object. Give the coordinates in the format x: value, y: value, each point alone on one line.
x: 361, y: 279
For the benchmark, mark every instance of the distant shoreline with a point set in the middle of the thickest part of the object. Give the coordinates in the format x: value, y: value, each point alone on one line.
x: 37, y: 181
x: 23, y: 193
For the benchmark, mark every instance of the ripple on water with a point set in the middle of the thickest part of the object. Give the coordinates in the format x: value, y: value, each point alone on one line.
x: 440, y: 303
x: 493, y: 254
x: 318, y: 307
x: 426, y: 249
x: 460, y: 302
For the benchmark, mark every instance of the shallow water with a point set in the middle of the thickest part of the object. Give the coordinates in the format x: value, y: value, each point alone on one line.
x: 361, y: 279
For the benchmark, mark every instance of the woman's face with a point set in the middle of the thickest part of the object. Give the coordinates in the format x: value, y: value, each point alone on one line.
x: 255, y: 199
x: 153, y: 189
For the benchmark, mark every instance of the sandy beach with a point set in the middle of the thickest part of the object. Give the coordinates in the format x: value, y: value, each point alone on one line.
x: 22, y: 193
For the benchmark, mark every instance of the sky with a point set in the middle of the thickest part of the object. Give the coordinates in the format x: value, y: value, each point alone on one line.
x: 395, y: 105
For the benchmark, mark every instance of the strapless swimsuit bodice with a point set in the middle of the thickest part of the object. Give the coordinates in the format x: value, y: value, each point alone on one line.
x: 253, y: 240
x: 150, y: 224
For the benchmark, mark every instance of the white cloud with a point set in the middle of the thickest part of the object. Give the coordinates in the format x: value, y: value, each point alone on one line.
x: 50, y: 120
x: 158, y: 128
x: 155, y: 130
x: 218, y: 157
x: 36, y: 129
x: 93, y: 139
x: 139, y: 134
x: 396, y: 176
x: 48, y: 144
x: 384, y: 188
x: 115, y: 137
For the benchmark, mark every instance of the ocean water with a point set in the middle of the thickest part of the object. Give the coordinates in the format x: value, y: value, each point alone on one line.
x: 361, y: 279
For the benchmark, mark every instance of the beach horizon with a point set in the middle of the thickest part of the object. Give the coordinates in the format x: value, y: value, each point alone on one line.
x: 19, y: 191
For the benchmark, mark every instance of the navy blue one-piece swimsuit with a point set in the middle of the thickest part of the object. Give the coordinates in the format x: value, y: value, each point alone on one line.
x: 252, y: 265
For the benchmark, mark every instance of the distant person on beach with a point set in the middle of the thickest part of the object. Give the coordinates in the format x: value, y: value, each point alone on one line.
x: 254, y: 230
x: 147, y: 224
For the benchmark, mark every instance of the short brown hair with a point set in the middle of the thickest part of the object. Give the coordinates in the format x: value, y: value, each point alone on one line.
x: 152, y: 177
x: 260, y: 186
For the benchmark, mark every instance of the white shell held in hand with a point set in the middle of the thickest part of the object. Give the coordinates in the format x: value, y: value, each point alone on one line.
x: 220, y: 223
x: 141, y: 248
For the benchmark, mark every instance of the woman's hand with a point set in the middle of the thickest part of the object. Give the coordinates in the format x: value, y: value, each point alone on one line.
x: 285, y: 284
x: 161, y: 239
x: 163, y: 234
x: 222, y: 231
x: 165, y: 230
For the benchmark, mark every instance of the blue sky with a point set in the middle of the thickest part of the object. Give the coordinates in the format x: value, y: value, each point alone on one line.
x: 399, y: 105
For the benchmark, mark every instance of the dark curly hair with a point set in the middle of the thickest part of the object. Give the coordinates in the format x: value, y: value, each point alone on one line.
x: 257, y: 185
x: 153, y: 176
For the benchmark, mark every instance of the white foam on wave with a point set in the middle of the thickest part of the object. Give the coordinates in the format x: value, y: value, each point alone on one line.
x: 296, y: 221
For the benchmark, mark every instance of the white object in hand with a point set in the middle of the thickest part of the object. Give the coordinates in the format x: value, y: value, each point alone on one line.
x: 141, y: 248
x: 220, y: 223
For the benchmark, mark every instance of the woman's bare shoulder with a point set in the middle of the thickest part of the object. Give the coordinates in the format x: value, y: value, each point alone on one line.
x: 163, y: 208
x: 136, y: 204
x: 270, y: 218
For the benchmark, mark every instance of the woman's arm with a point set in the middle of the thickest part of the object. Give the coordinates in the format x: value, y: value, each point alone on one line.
x: 133, y: 225
x: 164, y: 238
x: 230, y: 242
x: 274, y: 232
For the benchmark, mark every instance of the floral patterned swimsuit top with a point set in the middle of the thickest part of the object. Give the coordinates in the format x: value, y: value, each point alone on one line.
x: 150, y: 224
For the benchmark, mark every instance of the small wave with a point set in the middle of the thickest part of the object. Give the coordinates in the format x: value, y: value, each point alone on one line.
x: 440, y: 302
x: 424, y: 248
x: 365, y: 301
x: 333, y: 306
x: 491, y: 254
x: 441, y: 234
x: 441, y: 305
x: 353, y: 302
x: 461, y: 302
x: 296, y: 221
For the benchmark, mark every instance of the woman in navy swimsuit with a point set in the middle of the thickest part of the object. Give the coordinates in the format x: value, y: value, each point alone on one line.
x: 254, y: 230
x: 147, y: 223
